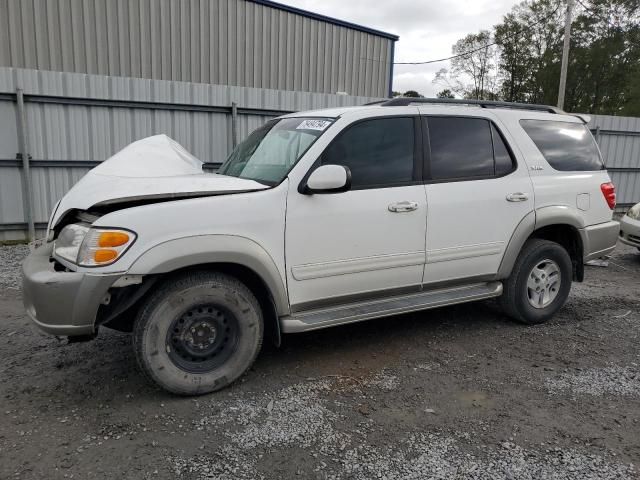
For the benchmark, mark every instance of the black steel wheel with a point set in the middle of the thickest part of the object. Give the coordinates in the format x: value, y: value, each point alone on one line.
x: 198, y: 332
x: 202, y: 338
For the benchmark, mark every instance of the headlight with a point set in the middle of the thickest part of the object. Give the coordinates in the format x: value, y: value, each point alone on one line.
x: 68, y: 243
x: 92, y: 247
x: 634, y: 212
x: 104, y: 246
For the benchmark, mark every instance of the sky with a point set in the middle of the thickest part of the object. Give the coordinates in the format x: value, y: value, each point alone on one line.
x: 427, y: 29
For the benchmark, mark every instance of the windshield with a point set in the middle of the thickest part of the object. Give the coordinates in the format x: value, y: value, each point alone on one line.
x: 272, y: 150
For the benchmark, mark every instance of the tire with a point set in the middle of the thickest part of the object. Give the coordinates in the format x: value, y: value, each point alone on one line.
x: 518, y: 298
x: 198, y: 333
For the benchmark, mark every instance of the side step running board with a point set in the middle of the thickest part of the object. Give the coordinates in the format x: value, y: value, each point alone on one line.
x: 356, y: 312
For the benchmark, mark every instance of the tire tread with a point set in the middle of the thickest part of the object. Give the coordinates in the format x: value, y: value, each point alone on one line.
x: 508, y: 301
x: 182, y: 282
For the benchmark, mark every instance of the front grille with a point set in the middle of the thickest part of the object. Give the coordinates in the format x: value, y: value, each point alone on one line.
x: 634, y: 238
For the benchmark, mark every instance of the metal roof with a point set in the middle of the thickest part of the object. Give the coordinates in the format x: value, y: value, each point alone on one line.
x: 323, y: 18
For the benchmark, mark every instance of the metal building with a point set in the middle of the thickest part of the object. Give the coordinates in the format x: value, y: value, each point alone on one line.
x: 247, y: 43
x: 55, y: 126
x: 80, y: 79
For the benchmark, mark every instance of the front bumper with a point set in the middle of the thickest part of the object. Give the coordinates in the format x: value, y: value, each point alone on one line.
x: 599, y: 240
x: 60, y: 302
x: 630, y: 231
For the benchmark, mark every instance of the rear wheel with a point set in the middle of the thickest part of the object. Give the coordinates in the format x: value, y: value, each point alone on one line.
x: 198, y: 333
x: 539, y: 283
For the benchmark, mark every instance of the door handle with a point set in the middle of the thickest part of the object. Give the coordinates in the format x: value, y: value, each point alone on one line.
x: 517, y: 197
x: 405, y: 206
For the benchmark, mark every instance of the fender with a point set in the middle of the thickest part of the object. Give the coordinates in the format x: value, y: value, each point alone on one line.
x: 542, y: 217
x: 558, y: 215
x: 202, y: 249
x: 564, y: 215
x: 519, y: 236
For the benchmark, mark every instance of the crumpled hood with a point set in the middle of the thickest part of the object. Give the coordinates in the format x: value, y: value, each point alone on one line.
x: 154, y: 167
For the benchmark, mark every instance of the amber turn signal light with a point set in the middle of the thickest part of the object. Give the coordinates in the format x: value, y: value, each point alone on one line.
x: 112, y: 239
x: 104, y: 255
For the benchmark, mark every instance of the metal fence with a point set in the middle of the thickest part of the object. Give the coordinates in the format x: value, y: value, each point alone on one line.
x: 70, y: 122
x: 619, y: 141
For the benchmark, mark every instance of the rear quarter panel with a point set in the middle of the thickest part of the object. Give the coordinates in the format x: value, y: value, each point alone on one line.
x: 578, y: 191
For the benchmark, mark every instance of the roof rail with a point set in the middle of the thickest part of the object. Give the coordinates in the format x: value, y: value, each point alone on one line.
x: 404, y: 101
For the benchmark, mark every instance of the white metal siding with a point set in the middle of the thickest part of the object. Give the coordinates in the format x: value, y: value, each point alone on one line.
x: 76, y: 133
x: 619, y: 141
x: 224, y: 42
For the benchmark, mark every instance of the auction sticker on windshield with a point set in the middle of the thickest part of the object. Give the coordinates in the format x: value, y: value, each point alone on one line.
x: 313, y: 125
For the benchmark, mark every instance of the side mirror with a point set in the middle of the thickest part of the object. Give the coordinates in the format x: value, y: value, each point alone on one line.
x: 328, y: 179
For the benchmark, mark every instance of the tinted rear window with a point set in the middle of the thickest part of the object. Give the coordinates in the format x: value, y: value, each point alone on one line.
x: 460, y: 148
x: 503, y: 159
x: 566, y: 146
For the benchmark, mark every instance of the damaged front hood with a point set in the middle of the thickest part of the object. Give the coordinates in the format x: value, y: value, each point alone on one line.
x: 154, y: 168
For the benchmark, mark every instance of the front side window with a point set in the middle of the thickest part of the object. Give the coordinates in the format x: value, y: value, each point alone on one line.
x: 379, y: 152
x: 271, y: 151
x: 566, y: 146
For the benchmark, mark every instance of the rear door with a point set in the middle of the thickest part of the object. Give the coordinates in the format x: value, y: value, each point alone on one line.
x: 477, y: 193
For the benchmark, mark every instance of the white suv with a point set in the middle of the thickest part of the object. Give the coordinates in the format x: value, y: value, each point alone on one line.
x: 318, y: 219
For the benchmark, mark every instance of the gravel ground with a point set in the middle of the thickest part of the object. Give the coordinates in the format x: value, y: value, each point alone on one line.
x: 454, y: 393
x: 10, y: 258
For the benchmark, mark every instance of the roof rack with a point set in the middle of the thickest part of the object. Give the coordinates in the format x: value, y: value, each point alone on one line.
x: 405, y: 101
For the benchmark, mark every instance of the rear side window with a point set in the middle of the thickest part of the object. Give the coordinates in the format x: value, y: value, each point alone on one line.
x: 464, y: 148
x: 503, y: 160
x: 379, y: 152
x: 566, y: 146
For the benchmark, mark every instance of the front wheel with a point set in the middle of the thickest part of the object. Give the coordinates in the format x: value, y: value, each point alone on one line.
x: 539, y: 283
x: 198, y: 333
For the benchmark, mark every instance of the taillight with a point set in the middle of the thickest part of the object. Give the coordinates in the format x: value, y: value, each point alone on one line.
x: 609, y: 192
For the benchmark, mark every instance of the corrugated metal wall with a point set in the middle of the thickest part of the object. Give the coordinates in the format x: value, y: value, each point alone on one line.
x: 66, y: 139
x: 224, y: 42
x: 619, y: 140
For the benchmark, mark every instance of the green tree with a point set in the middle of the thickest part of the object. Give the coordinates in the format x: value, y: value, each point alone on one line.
x: 524, y: 65
x: 604, y: 59
x: 631, y: 105
x: 476, y: 61
x: 411, y: 93
x: 446, y: 93
x: 451, y: 81
x: 529, y: 41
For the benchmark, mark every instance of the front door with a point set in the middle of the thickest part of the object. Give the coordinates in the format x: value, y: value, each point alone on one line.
x: 477, y: 195
x: 344, y: 246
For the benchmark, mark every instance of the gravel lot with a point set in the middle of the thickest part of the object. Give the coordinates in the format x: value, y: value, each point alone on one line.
x: 10, y: 258
x: 455, y: 393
